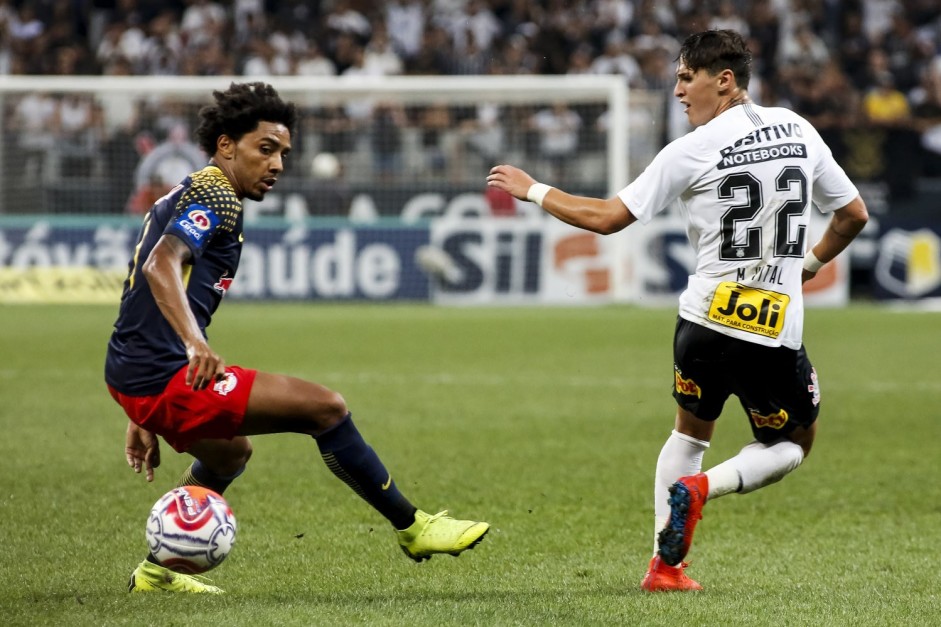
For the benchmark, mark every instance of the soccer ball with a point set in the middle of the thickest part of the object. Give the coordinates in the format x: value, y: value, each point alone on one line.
x: 191, y: 529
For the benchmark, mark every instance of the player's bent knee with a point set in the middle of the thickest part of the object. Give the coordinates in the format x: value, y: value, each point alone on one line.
x: 332, y: 410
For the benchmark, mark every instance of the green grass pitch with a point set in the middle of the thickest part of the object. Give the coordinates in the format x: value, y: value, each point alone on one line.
x: 547, y: 422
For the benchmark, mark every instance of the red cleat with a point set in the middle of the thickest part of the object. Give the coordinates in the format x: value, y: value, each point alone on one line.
x: 687, y: 496
x: 662, y: 577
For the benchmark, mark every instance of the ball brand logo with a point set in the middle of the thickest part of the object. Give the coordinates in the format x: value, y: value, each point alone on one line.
x: 226, y: 384
x: 773, y: 421
x: 749, y: 309
x: 686, y: 387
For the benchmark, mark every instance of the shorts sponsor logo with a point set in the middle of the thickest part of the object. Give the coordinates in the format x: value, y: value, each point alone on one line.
x: 777, y: 420
x: 749, y: 309
x: 686, y: 387
x: 226, y: 384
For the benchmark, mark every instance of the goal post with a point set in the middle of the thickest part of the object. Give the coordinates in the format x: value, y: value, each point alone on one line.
x: 386, y: 173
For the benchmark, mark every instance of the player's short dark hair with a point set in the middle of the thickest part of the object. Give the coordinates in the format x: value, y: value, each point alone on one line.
x: 238, y: 110
x: 717, y: 50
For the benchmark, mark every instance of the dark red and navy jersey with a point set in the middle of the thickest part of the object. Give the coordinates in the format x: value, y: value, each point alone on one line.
x: 144, y: 351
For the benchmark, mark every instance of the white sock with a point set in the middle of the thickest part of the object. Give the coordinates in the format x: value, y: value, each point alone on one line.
x: 756, y: 466
x: 680, y: 456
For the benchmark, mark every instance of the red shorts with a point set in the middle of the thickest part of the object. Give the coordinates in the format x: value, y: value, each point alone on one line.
x: 182, y: 415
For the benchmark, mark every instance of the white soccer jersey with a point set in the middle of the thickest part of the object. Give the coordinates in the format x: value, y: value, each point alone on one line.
x: 745, y: 181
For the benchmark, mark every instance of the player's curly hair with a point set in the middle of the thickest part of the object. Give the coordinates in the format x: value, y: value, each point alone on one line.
x: 238, y: 110
x: 717, y: 50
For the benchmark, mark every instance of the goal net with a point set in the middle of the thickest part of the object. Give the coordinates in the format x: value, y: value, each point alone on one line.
x: 383, y: 196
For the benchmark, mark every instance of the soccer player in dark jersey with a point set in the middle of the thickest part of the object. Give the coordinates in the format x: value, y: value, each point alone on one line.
x: 171, y: 383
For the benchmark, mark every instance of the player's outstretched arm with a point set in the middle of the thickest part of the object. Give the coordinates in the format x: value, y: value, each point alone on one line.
x: 164, y: 272
x: 603, y: 216
x: 847, y: 222
x: 141, y: 449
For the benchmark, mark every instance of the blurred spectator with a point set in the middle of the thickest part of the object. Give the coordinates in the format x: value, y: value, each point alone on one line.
x: 616, y: 60
x: 264, y: 60
x: 906, y: 52
x: 162, y: 167
x: 610, y: 16
x: 473, y: 29
x: 884, y: 105
x: 558, y: 131
x: 163, y: 46
x: 435, y: 122
x: 380, y: 56
x: 926, y: 119
x: 344, y: 19
x: 313, y: 62
x: 651, y: 38
x: 435, y: 55
x: 385, y: 134
x: 802, y: 53
x: 581, y: 60
x: 829, y: 102
x: 35, y: 122
x: 727, y: 17
x: 517, y: 57
x: 203, y: 20
x: 405, y: 23
x: 853, y: 47
x: 333, y: 129
x: 81, y: 132
x: 484, y: 131
x: 473, y: 60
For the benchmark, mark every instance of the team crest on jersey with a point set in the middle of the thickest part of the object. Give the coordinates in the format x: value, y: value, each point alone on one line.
x: 226, y: 384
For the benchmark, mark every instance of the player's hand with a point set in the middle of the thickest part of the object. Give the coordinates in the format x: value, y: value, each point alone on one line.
x: 510, y: 179
x: 141, y: 449
x: 205, y: 366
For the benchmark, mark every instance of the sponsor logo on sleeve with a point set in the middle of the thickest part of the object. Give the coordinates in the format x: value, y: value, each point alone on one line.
x: 196, y: 223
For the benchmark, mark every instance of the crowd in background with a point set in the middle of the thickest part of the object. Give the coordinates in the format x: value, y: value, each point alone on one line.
x: 843, y: 64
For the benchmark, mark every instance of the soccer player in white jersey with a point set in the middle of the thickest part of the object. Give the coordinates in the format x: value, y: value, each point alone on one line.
x: 744, y: 180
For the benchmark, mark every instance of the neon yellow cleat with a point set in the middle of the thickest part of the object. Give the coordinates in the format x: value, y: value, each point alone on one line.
x: 150, y: 577
x: 440, y: 534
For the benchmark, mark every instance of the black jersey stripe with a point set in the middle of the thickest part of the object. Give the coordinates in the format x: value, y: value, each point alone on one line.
x: 752, y: 114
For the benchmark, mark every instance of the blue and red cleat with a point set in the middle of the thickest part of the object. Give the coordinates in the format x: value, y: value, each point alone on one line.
x: 687, y: 496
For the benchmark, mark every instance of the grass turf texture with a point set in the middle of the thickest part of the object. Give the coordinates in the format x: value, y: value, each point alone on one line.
x: 545, y: 422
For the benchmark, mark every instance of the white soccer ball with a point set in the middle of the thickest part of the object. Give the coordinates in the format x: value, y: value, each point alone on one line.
x: 191, y: 529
